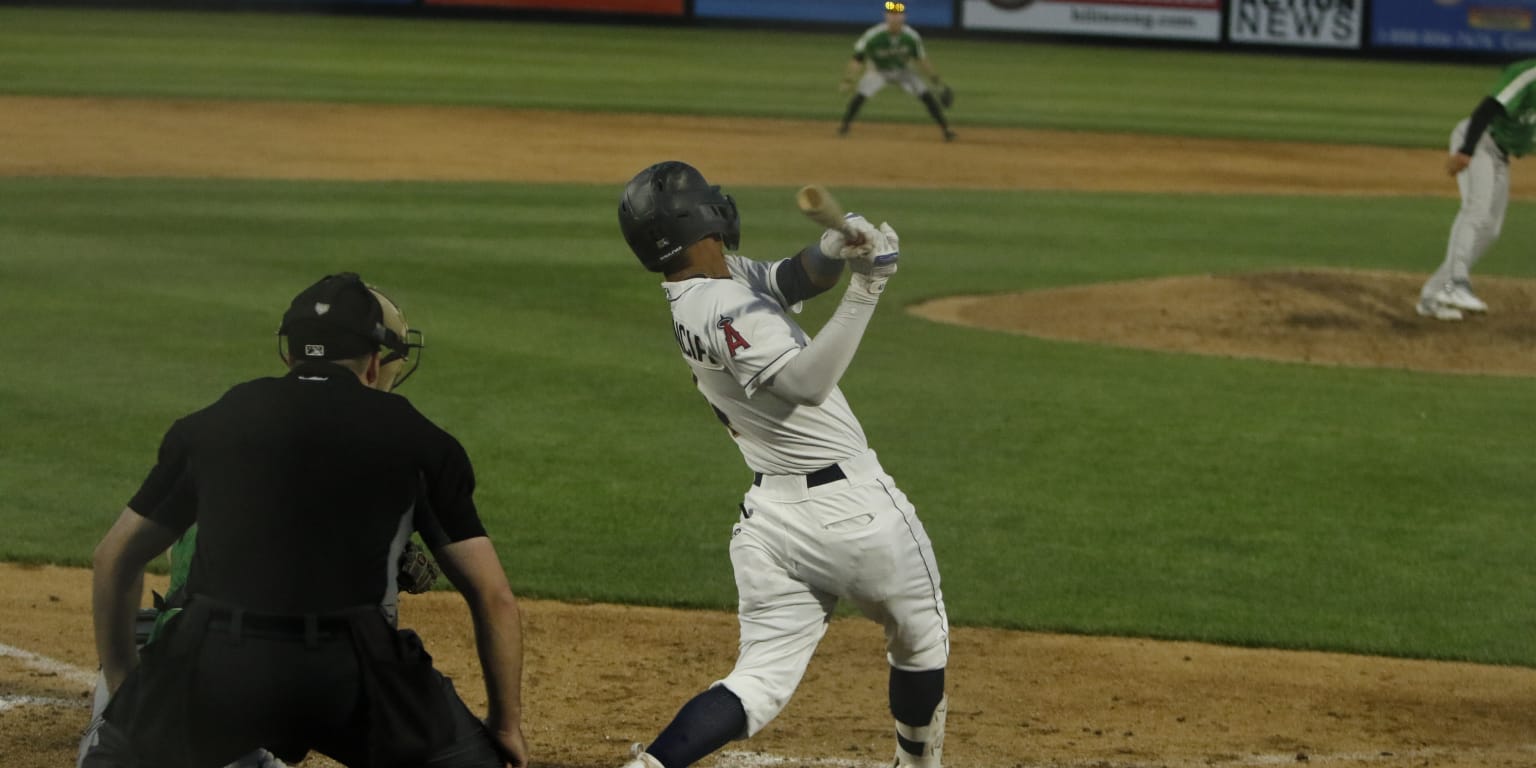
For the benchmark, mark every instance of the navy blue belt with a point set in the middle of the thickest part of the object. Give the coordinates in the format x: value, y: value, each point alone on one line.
x: 820, y: 477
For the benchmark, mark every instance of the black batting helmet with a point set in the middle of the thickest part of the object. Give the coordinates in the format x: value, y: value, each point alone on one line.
x: 668, y: 207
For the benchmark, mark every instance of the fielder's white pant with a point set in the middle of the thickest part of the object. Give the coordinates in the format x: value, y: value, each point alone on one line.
x: 797, y: 550
x: 875, y: 79
x: 1484, y: 198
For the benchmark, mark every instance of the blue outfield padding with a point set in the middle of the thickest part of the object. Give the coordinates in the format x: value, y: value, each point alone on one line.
x: 1504, y: 27
x: 933, y: 14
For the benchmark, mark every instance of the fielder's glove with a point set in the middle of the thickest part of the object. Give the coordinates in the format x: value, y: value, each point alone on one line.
x: 417, y: 571
x: 946, y: 96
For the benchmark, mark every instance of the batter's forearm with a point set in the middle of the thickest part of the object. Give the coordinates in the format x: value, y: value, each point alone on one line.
x: 808, y: 275
x: 814, y: 372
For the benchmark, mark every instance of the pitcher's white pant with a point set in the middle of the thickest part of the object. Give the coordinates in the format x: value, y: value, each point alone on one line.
x: 874, y: 80
x: 797, y: 550
x: 1484, y: 198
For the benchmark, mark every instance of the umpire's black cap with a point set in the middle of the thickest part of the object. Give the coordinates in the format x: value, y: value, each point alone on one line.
x: 337, y: 318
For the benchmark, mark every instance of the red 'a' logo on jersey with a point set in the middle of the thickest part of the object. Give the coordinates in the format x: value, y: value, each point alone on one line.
x: 733, y: 338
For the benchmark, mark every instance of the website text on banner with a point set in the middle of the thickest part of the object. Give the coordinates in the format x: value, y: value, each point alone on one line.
x: 1166, y: 19
x: 653, y: 7
x: 1311, y: 23
x: 928, y: 14
x: 1497, y: 26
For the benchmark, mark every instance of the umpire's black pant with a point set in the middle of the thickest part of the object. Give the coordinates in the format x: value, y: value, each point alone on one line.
x: 222, y: 682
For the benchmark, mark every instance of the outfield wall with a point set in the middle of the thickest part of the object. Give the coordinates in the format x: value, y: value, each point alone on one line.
x: 1437, y: 29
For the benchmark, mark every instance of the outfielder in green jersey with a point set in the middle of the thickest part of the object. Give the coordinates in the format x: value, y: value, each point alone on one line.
x: 886, y: 53
x: 1503, y: 125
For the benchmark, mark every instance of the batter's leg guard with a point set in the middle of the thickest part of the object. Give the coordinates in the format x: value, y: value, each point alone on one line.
x: 708, y: 722
x: 853, y: 109
x: 937, y: 111
x: 919, y: 706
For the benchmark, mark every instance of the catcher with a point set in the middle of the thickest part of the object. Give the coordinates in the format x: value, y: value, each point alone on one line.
x: 885, y: 54
x: 305, y: 490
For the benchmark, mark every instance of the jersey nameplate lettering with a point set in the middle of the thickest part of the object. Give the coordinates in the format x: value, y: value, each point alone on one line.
x: 693, y: 347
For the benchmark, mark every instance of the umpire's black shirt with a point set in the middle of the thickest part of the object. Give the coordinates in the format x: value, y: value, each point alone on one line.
x: 303, y: 489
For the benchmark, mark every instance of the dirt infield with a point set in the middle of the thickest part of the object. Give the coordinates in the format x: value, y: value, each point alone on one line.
x: 600, y: 677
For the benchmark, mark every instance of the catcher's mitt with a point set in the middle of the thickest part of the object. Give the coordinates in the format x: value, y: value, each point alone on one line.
x: 417, y: 571
x: 946, y: 96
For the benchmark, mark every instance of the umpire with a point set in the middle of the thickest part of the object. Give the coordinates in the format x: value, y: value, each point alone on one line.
x: 303, y: 488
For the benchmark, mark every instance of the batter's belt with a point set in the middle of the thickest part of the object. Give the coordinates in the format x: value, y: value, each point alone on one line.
x: 857, y: 469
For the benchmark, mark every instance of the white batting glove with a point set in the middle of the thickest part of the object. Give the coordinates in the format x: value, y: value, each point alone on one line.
x: 834, y: 243
x: 870, y: 273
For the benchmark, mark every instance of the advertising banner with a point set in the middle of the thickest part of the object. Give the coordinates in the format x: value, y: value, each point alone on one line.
x: 1165, y: 19
x: 652, y: 7
x: 1313, y: 23
x: 1498, y: 26
x: 921, y: 14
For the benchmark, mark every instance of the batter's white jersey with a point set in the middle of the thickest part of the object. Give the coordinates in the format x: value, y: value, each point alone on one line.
x: 736, y: 335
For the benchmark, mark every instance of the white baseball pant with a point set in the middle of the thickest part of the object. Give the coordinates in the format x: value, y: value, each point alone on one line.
x: 875, y: 79
x: 797, y: 550
x: 1484, y: 198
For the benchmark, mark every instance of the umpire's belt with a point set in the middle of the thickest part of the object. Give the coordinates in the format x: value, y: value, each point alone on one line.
x: 820, y: 477
x: 312, y: 628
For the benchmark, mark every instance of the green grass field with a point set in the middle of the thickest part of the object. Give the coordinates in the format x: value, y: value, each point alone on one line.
x: 1067, y: 487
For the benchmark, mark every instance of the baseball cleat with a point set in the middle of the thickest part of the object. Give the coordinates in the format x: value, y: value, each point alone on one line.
x: 1459, y: 295
x: 1429, y: 307
x: 949, y: 135
x: 842, y: 130
x: 639, y: 758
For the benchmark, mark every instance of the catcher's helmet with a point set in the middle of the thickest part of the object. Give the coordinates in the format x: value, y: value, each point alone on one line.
x: 668, y: 207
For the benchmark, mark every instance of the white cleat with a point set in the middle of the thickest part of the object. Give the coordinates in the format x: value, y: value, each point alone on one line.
x: 1431, y: 307
x: 1460, y: 296
x: 639, y: 758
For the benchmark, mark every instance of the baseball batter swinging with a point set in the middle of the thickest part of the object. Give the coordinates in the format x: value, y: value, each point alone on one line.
x: 886, y: 53
x: 821, y: 521
x: 1503, y: 124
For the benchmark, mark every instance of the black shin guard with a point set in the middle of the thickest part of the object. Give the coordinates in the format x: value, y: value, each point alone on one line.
x: 853, y: 108
x: 706, y: 723
x: 915, y: 697
x: 935, y: 110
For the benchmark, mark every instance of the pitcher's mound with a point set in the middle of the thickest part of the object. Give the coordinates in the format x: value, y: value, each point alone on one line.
x: 1328, y: 317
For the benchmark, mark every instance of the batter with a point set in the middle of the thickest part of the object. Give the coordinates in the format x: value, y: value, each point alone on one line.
x: 822, y: 521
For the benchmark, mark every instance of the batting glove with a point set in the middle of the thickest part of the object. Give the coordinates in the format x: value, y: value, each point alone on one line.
x: 834, y: 243
x: 870, y: 274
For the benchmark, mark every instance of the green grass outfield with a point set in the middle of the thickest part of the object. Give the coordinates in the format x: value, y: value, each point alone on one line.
x: 1067, y: 487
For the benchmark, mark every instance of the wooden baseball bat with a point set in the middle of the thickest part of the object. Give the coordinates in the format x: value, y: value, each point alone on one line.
x: 820, y: 206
